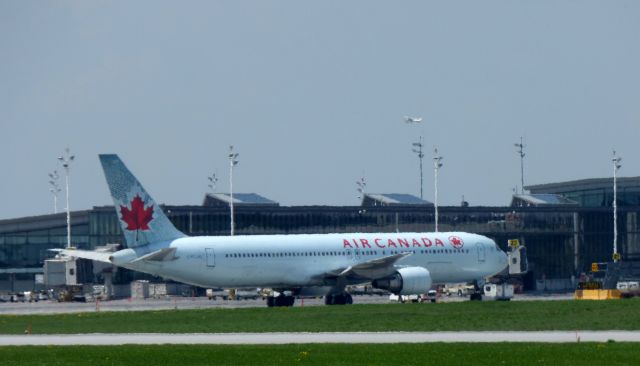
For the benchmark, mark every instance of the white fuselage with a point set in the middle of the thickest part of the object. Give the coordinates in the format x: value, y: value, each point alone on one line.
x: 289, y: 261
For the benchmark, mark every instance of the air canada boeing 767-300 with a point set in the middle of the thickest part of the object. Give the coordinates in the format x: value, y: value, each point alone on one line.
x: 292, y: 265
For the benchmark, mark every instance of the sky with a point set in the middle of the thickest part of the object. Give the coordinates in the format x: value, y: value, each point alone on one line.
x: 312, y: 96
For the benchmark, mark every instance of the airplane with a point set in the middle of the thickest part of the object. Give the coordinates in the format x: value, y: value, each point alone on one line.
x: 408, y: 119
x: 292, y: 265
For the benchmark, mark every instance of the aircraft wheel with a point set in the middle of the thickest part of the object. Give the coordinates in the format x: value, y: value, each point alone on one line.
x: 271, y: 301
x: 290, y: 300
x: 476, y: 296
x: 348, y: 299
x: 329, y: 299
x: 334, y: 299
x: 338, y: 299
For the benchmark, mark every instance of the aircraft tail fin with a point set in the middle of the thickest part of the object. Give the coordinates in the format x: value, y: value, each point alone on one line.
x: 141, y: 219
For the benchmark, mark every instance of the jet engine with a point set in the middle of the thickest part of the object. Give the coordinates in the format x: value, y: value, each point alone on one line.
x: 406, y: 281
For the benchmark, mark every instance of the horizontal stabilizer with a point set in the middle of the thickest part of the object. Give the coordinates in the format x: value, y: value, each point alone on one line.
x: 85, y: 254
x: 162, y: 255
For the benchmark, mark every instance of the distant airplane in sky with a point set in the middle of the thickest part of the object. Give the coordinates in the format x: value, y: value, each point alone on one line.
x: 408, y: 119
x: 292, y: 265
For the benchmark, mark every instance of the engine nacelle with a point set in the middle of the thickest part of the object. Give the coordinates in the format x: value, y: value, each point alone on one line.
x: 406, y: 281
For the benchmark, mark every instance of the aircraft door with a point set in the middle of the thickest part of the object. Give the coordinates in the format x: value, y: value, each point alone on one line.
x: 482, y: 254
x: 211, y: 257
x: 356, y: 255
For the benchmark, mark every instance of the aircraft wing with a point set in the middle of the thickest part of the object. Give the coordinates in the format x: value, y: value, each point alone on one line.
x: 85, y: 254
x: 370, y: 270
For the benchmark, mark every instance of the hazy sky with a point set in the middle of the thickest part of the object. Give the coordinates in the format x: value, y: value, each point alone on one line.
x: 312, y: 94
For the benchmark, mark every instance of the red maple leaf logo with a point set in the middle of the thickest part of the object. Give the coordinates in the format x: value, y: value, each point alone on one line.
x: 137, y: 218
x: 456, y: 242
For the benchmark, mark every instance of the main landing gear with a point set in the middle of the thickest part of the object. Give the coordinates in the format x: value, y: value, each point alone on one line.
x: 338, y: 299
x: 476, y: 295
x: 280, y: 300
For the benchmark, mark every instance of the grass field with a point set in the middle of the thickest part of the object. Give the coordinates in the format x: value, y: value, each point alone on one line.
x: 522, y: 315
x: 329, y: 354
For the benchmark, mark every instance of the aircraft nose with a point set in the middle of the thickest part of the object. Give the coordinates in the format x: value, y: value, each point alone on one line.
x: 502, y: 260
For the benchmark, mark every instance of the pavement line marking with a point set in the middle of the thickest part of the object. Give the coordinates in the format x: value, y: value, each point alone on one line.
x: 301, y: 338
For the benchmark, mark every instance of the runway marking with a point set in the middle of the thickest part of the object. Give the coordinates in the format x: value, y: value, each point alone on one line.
x: 301, y: 338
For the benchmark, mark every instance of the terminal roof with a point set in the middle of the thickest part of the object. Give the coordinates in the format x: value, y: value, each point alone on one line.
x: 247, y: 199
x: 392, y: 199
x: 541, y: 199
x: 585, y: 185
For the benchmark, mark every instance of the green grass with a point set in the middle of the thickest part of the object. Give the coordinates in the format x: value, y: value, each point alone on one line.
x: 329, y: 354
x: 522, y: 315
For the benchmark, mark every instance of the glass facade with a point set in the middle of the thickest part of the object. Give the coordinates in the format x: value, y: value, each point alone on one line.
x: 604, y: 197
x: 550, y: 234
x: 595, y: 192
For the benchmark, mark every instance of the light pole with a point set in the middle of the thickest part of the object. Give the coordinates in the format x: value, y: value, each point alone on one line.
x: 520, y: 152
x: 213, y: 180
x: 362, y: 185
x: 233, y: 161
x: 66, y: 161
x: 616, y: 165
x: 437, y: 164
x: 55, y: 189
x: 417, y: 148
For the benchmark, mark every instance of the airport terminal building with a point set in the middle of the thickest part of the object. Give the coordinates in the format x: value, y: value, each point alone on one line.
x: 565, y: 226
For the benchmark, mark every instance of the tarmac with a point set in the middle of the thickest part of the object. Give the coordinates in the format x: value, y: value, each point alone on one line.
x: 306, y: 338
x: 179, y: 302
